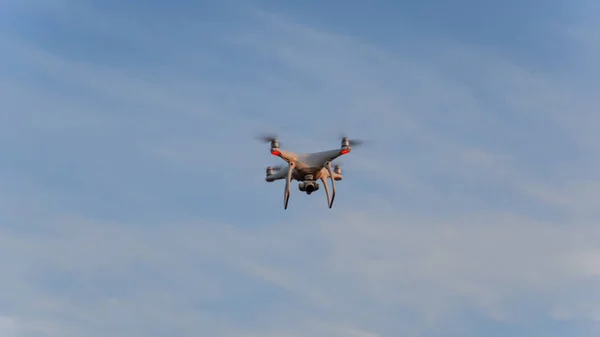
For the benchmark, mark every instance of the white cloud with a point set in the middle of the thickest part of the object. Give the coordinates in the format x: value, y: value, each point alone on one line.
x: 357, y: 268
x: 8, y: 326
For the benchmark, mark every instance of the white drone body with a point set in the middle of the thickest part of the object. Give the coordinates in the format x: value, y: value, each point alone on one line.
x: 307, y: 168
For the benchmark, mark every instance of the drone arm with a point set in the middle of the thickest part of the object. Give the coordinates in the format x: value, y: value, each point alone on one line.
x: 286, y: 194
x: 326, y: 156
x: 330, y: 171
x: 281, y: 174
x: 285, y: 155
x: 326, y: 187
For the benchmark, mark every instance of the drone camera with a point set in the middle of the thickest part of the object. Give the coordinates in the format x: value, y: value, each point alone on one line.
x: 308, y: 186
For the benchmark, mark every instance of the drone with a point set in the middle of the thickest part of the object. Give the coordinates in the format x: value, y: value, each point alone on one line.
x: 307, y: 168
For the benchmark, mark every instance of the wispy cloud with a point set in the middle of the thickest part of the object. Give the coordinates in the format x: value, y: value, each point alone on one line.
x: 134, y: 204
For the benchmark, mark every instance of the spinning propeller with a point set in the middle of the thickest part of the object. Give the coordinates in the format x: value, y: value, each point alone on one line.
x: 271, y: 138
x: 350, y: 142
x: 267, y: 137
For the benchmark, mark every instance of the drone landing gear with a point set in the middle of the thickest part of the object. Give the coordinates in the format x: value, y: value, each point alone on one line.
x: 286, y: 193
x: 329, y: 200
x: 309, y: 186
x: 324, y: 181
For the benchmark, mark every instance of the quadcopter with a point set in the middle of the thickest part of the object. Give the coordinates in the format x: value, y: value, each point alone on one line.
x: 307, y: 168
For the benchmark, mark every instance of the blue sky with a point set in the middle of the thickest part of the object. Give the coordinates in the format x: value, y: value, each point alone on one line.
x: 133, y: 195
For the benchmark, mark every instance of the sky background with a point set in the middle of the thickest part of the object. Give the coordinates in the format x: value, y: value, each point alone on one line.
x: 133, y: 200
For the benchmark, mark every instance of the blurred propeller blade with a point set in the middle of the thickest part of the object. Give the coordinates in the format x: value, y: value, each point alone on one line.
x: 353, y: 142
x: 267, y: 137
